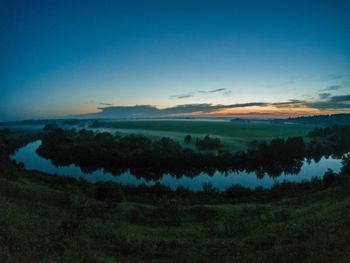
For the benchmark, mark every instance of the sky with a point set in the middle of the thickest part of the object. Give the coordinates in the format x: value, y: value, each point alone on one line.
x: 177, y: 58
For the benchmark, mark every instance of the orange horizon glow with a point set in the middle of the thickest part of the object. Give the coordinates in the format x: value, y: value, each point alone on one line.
x: 266, y: 111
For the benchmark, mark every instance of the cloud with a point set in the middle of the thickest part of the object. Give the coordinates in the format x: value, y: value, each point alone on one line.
x: 224, y: 91
x: 332, y: 88
x: 105, y: 104
x: 181, y: 96
x: 211, y: 91
x: 227, y: 93
x: 324, y: 96
x: 138, y: 111
x: 326, y: 102
x: 242, y: 105
x: 344, y: 98
x: 335, y: 102
x: 289, y: 104
x: 335, y: 76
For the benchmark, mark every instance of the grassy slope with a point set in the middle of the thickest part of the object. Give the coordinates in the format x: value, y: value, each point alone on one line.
x: 235, y: 135
x: 41, y: 219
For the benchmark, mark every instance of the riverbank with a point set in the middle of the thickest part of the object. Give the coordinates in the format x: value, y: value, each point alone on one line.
x: 310, y: 169
x: 46, y: 218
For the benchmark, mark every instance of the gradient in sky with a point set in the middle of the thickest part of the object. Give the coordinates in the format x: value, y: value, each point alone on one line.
x: 264, y: 58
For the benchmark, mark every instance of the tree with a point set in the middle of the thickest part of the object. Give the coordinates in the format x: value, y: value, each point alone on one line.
x: 329, y: 178
x: 208, y: 143
x: 209, y: 189
x: 50, y: 127
x: 188, y: 139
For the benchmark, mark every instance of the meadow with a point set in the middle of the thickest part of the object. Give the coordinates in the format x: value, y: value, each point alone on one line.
x: 234, y: 135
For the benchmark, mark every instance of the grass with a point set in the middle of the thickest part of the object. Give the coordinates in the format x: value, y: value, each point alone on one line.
x: 234, y: 135
x: 42, y: 221
x: 44, y: 218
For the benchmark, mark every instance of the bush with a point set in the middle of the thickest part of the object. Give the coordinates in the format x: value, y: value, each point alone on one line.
x: 238, y: 192
x: 139, y: 215
x: 329, y: 178
x: 203, y: 214
x: 170, y: 213
x: 208, y: 143
x: 188, y: 139
x: 209, y: 189
x: 109, y: 193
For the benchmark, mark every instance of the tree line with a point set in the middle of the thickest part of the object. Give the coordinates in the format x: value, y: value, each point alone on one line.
x: 151, y: 158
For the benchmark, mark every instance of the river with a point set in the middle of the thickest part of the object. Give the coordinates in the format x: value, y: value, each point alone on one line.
x: 32, y: 161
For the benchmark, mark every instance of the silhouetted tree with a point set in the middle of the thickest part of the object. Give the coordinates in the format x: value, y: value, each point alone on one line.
x: 208, y: 143
x: 188, y: 139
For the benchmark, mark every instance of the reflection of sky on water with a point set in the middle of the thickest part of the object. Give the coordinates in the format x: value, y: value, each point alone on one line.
x: 32, y: 160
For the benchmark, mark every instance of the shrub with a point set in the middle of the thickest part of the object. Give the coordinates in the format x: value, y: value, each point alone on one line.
x: 209, y: 189
x: 208, y: 143
x: 203, y: 214
x: 170, y: 213
x: 188, y: 139
x: 109, y: 193
x: 329, y: 178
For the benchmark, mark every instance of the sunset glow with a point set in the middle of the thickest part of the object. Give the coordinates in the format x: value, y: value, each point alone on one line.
x: 169, y: 54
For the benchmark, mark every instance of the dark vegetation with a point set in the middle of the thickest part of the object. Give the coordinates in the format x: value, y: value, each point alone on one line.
x: 151, y: 158
x: 71, y: 122
x: 208, y: 143
x: 188, y: 139
x: 11, y: 141
x: 46, y: 218
x: 320, y: 120
x: 330, y: 140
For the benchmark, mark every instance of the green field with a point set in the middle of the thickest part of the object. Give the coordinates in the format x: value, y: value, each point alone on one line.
x: 234, y: 135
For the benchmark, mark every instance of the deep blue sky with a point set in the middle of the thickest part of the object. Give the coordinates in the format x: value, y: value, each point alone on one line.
x: 70, y: 57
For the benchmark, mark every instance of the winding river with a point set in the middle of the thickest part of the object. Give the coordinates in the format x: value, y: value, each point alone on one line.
x: 32, y: 161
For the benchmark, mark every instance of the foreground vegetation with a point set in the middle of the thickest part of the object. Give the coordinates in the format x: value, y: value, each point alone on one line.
x: 45, y: 218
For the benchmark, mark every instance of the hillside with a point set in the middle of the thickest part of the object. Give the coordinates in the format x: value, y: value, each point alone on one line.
x: 44, y: 218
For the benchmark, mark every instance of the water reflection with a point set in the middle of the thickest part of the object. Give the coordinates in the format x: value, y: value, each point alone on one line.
x: 221, y: 180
